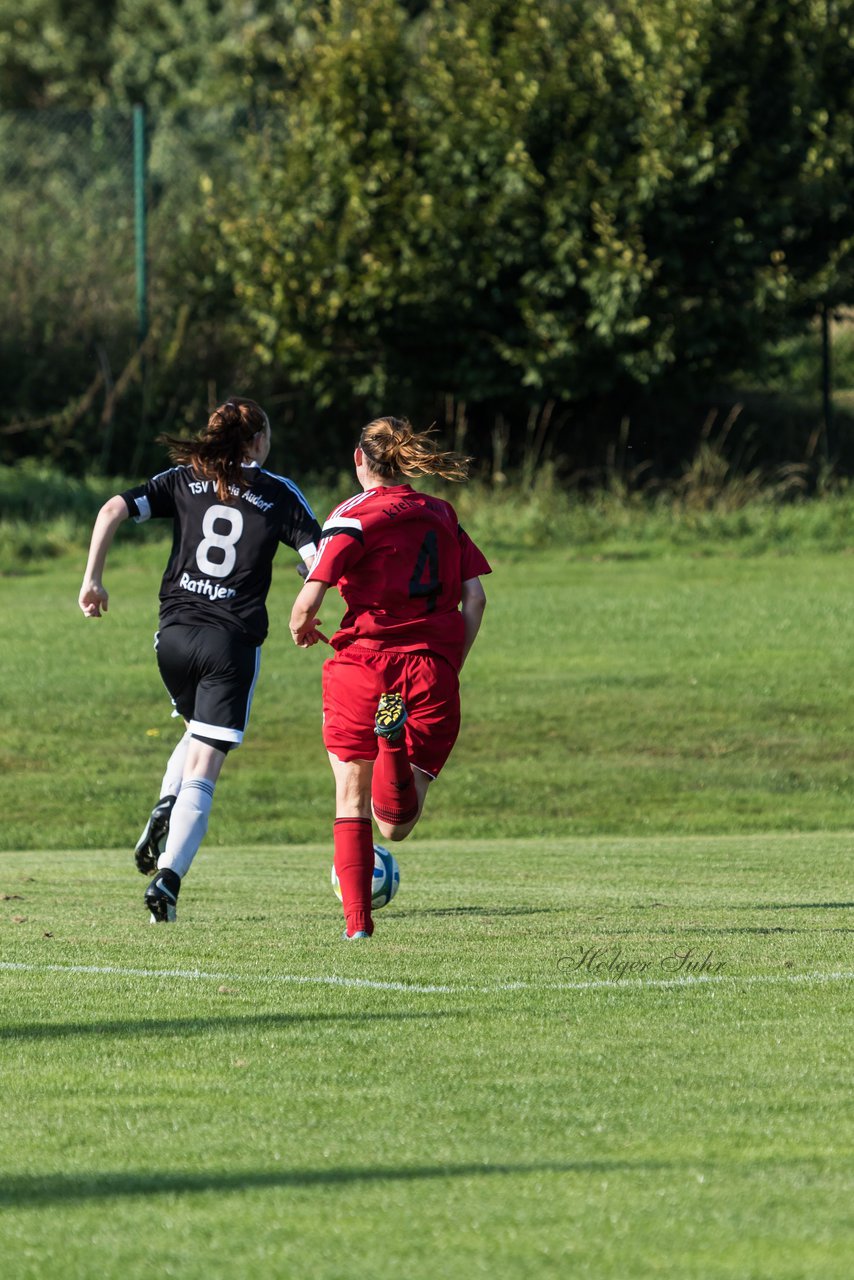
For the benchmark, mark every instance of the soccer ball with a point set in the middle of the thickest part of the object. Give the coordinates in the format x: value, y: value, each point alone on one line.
x: 386, y: 878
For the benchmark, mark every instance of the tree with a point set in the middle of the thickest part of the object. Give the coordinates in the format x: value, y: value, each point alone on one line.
x: 48, y: 56
x: 511, y: 203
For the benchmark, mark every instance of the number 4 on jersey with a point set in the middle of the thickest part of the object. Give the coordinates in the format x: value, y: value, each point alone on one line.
x: 425, y: 583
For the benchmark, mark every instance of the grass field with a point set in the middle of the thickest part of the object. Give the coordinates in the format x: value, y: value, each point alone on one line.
x: 522, y: 1075
x: 683, y: 694
x: 604, y: 1028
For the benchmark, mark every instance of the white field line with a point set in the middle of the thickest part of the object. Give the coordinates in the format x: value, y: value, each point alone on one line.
x: 596, y: 984
x: 199, y: 975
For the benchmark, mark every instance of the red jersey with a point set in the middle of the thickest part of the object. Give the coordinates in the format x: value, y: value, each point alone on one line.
x: 399, y: 559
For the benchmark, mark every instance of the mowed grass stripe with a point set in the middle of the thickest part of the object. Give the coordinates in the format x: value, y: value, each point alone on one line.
x: 200, y: 976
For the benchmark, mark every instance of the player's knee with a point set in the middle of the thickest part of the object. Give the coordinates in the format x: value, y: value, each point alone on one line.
x: 395, y: 832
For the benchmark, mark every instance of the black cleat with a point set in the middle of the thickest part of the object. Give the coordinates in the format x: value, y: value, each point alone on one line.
x: 161, y: 897
x: 152, y: 842
x: 391, y: 716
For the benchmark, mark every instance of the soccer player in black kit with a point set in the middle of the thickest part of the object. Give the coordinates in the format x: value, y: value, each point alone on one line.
x: 229, y: 516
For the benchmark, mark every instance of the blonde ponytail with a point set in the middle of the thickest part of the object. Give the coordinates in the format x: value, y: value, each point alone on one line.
x: 391, y: 447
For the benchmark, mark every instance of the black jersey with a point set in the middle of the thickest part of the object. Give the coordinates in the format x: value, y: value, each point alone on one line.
x: 221, y: 563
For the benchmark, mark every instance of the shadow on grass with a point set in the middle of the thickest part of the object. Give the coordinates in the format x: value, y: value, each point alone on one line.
x: 485, y: 912
x: 39, y: 1190
x: 760, y: 930
x: 195, y: 1026
x: 676, y: 931
x: 764, y: 906
x: 817, y: 931
x: 799, y: 906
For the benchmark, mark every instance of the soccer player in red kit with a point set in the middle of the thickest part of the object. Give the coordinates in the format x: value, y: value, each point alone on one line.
x: 410, y: 577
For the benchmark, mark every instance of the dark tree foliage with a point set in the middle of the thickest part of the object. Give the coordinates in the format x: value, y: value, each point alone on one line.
x: 530, y: 220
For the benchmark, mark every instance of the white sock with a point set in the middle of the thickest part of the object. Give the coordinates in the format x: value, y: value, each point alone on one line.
x: 171, y: 784
x: 188, y: 825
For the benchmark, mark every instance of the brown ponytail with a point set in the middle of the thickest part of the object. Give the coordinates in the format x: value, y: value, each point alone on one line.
x: 391, y: 448
x: 218, y: 452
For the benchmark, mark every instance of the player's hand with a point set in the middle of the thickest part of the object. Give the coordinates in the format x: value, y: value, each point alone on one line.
x: 93, y: 599
x: 308, y: 635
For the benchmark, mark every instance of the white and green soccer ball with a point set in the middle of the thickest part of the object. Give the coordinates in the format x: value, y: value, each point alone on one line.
x: 386, y: 878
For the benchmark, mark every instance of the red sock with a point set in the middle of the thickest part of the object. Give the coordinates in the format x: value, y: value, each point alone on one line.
x: 354, y: 866
x: 393, y: 791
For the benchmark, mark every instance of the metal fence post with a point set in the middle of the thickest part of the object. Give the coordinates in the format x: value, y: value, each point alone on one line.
x: 826, y: 382
x: 141, y: 242
x: 139, y: 209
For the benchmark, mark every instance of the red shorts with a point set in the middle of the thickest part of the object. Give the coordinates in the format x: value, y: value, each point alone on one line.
x: 352, y: 683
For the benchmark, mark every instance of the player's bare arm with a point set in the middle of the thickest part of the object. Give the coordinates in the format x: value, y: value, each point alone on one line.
x: 304, y: 621
x: 94, y: 597
x: 472, y: 605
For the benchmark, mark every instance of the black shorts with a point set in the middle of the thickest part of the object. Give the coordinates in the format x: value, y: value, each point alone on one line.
x: 210, y: 675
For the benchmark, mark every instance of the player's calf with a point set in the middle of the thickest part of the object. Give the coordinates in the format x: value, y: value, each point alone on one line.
x: 152, y: 842
x: 393, y: 794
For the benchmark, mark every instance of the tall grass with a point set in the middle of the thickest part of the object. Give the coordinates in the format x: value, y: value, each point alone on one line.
x: 701, y: 513
x: 711, y: 506
x: 44, y: 512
